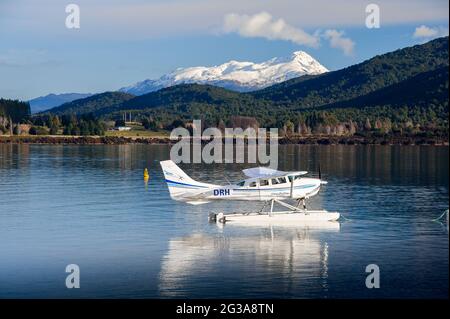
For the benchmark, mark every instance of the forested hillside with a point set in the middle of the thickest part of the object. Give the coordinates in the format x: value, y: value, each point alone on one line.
x: 16, y: 110
x: 91, y: 104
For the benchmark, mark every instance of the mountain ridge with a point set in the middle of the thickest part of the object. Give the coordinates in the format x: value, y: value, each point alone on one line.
x: 52, y: 100
x: 241, y: 76
x: 91, y: 104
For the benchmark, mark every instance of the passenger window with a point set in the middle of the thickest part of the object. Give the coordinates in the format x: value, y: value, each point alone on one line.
x: 252, y: 184
x: 282, y: 180
x: 264, y: 182
x: 274, y: 181
x: 241, y: 183
x: 294, y: 177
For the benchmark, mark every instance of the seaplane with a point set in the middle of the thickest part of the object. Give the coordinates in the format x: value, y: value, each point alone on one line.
x: 262, y: 184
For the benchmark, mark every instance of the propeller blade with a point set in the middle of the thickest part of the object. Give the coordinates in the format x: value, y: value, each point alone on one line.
x: 292, y: 186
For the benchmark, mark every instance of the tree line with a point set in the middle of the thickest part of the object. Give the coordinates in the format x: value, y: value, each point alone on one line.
x: 85, y: 124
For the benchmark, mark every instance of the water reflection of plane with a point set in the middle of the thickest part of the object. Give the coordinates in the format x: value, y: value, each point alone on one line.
x: 287, y: 255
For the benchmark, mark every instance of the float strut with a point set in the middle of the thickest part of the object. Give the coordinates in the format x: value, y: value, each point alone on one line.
x: 271, y: 207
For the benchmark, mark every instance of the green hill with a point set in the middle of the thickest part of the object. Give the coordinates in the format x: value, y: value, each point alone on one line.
x: 182, y: 97
x: 422, y: 90
x: 91, y: 104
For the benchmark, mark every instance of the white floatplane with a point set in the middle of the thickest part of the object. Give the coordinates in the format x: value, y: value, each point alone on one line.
x: 263, y: 185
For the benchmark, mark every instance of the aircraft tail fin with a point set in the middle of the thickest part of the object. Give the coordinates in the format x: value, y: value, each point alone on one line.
x: 173, y: 173
x: 181, y: 186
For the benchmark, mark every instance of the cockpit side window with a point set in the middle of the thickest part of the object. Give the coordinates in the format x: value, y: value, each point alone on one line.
x: 264, y: 182
x: 282, y: 180
x: 252, y: 184
x: 275, y: 181
x: 241, y: 183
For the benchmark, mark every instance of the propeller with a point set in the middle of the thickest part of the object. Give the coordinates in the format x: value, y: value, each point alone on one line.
x: 320, y: 177
x: 292, y: 186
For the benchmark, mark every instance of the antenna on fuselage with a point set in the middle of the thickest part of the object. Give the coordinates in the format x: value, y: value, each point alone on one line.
x: 229, y: 183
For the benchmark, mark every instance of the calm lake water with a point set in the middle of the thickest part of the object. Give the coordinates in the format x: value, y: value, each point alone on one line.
x: 88, y: 205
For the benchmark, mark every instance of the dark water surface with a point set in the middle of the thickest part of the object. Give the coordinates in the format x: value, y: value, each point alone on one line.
x: 88, y: 205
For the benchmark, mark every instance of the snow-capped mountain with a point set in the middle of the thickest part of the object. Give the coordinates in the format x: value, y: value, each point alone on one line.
x: 235, y: 75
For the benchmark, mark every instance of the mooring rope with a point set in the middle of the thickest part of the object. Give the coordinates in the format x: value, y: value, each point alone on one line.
x: 342, y: 216
x: 434, y: 220
x: 442, y: 215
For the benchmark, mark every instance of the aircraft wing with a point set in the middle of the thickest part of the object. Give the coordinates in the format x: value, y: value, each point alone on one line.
x: 265, y: 172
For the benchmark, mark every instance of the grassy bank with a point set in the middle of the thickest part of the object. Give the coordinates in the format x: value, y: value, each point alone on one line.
x: 138, y: 131
x: 157, y: 138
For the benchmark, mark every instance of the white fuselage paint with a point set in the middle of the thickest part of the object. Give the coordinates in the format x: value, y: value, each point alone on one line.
x: 302, y: 188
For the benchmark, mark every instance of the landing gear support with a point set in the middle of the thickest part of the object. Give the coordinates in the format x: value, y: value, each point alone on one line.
x: 303, y: 202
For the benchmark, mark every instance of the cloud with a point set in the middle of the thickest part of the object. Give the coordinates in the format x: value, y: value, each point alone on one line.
x: 263, y: 25
x: 138, y: 19
x: 338, y: 41
x: 424, y: 32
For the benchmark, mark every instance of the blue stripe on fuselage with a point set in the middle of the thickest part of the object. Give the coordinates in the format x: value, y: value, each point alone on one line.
x: 178, y: 184
x: 274, y: 189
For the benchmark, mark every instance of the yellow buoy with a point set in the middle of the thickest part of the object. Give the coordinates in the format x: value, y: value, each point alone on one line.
x: 146, y: 175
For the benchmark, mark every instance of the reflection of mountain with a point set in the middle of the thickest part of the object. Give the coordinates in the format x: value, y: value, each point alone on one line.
x: 289, y: 257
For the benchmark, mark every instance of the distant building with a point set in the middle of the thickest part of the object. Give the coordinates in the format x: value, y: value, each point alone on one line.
x: 123, y: 128
x: 120, y: 128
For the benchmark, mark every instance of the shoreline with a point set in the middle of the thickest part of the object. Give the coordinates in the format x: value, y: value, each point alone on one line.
x: 297, y: 140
